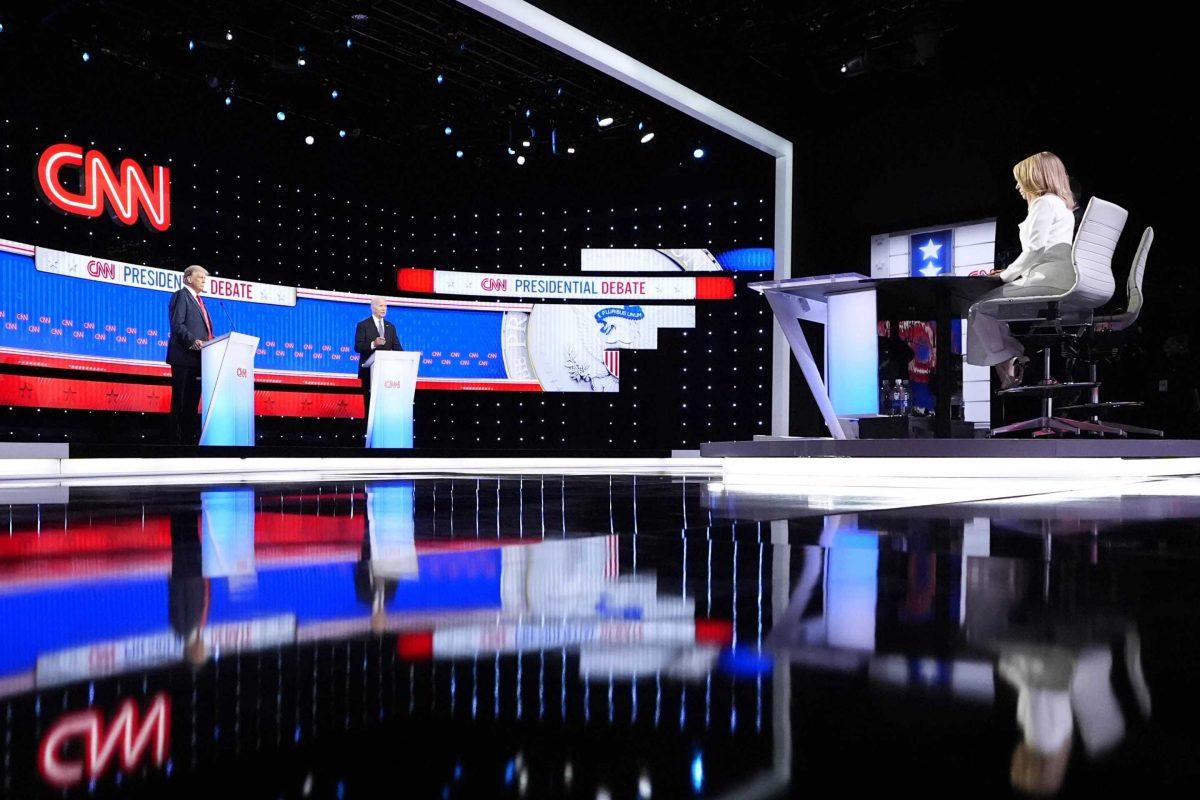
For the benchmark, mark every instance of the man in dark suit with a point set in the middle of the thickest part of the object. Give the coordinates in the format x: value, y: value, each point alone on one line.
x: 190, y: 328
x: 372, y: 334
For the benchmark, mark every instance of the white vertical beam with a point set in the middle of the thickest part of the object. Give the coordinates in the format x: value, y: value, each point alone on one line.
x: 555, y: 33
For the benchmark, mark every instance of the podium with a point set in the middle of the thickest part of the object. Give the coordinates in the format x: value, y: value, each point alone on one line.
x: 393, y: 387
x: 227, y: 390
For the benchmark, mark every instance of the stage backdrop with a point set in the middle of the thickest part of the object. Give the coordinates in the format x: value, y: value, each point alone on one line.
x: 81, y: 313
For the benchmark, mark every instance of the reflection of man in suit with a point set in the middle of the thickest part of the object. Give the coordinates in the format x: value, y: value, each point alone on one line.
x: 372, y: 588
x: 190, y: 328
x: 188, y: 596
x: 372, y: 334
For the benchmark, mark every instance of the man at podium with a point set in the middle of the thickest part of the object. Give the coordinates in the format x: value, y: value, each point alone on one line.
x: 190, y: 328
x: 372, y: 334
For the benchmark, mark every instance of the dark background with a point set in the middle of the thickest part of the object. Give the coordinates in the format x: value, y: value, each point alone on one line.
x: 939, y: 99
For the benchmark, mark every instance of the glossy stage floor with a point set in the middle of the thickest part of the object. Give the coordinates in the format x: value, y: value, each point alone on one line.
x: 599, y: 629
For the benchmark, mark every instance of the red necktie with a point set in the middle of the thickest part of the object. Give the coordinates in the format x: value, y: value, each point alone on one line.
x: 204, y: 311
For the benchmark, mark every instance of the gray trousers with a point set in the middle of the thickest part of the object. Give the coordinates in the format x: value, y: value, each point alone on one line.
x: 989, y: 341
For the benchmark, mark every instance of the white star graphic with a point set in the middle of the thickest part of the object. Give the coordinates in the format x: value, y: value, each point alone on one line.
x: 930, y: 251
x: 929, y: 270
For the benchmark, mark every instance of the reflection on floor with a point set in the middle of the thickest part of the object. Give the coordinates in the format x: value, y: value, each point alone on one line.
x: 605, y: 636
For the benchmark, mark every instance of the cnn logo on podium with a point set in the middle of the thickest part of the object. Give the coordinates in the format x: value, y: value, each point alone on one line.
x: 128, y: 736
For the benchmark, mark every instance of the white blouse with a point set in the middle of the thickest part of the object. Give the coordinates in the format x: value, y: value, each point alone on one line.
x: 1049, y: 222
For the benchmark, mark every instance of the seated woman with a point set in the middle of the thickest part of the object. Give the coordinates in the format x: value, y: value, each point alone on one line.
x: 1044, y: 265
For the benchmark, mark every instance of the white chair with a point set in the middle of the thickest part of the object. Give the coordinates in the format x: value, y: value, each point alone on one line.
x: 1091, y: 255
x: 1115, y: 322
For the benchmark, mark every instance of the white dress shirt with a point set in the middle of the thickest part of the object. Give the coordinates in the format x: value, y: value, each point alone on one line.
x: 1049, y: 222
x: 379, y: 328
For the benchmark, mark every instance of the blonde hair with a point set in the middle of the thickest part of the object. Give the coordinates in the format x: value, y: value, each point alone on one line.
x: 1041, y: 174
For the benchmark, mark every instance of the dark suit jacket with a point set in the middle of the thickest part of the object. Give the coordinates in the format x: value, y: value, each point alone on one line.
x: 364, y: 334
x: 187, y: 325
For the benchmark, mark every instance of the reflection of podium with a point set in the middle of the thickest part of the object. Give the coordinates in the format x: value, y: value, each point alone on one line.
x: 227, y: 390
x: 393, y: 387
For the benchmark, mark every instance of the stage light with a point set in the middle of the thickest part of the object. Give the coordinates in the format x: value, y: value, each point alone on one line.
x: 349, y: 42
x: 279, y: 115
x: 458, y: 153
x: 440, y: 79
x: 604, y: 122
x: 843, y: 69
x: 229, y: 36
x: 524, y: 143
x: 647, y: 137
x: 571, y: 150
x: 300, y: 62
x: 511, y: 152
x: 309, y: 140
x: 528, y: 113
x: 521, y: 160
x: 698, y: 152
x: 447, y: 130
x: 86, y: 56
x: 191, y: 44
x: 641, y: 125
x: 228, y: 100
x: 335, y: 94
x: 341, y: 134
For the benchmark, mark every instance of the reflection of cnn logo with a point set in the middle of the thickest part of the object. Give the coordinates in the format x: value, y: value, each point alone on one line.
x: 494, y: 284
x: 242, y: 372
x: 126, y: 737
x: 126, y: 190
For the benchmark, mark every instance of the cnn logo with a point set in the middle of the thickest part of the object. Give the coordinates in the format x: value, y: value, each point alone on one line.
x: 127, y: 738
x: 125, y: 192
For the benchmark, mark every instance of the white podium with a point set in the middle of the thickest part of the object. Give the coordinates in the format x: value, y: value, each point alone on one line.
x: 227, y: 390
x: 393, y: 387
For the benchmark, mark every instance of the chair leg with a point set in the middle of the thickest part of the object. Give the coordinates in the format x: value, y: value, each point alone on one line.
x: 1096, y: 426
x: 1136, y: 429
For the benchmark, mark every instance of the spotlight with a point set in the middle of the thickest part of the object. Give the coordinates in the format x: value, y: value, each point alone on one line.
x: 558, y: 92
x: 698, y: 152
x: 191, y: 44
x: 647, y: 137
x: 86, y: 56
x: 279, y: 115
x: 342, y: 134
x: 458, y: 153
x: 1, y: 27
x: 334, y: 94
x: 641, y: 125
x: 228, y: 100
x: 229, y: 36
x: 309, y: 140
x: 571, y: 150
x: 528, y: 113
x: 604, y: 122
x: 521, y: 160
x: 440, y: 79
x: 512, y: 152
x: 525, y: 143
x: 301, y: 61
x: 447, y: 130
x: 349, y: 42
x: 843, y: 69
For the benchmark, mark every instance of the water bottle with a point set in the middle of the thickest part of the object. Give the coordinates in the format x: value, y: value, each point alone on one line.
x: 885, y: 399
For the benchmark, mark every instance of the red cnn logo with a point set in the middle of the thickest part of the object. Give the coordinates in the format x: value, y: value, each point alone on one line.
x: 126, y: 190
x: 99, y: 746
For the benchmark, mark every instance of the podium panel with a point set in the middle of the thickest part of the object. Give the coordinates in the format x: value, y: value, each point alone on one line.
x: 393, y: 388
x: 227, y: 390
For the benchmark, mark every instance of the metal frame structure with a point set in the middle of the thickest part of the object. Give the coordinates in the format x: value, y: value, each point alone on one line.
x: 555, y: 33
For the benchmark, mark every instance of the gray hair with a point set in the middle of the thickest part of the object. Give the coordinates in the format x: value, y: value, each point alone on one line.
x: 375, y: 300
x: 192, y: 270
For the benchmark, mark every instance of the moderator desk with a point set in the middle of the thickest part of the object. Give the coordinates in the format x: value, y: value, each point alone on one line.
x: 849, y: 306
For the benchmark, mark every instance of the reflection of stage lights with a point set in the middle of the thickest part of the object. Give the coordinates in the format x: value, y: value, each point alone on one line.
x: 647, y: 137
x: 301, y: 61
x: 571, y: 150
x: 521, y: 160
x: 440, y: 79
x: 698, y: 152
x: 86, y: 56
x: 228, y: 100
x: 512, y: 152
x: 447, y: 130
x: 335, y: 94
x: 604, y: 122
x: 229, y: 36
x: 309, y: 140
x: 281, y: 116
x: 341, y: 134
x: 525, y: 143
x: 458, y: 153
